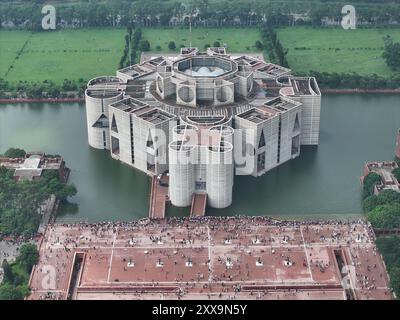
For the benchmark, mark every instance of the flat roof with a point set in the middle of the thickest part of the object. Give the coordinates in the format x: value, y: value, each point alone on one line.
x: 304, y: 86
x: 128, y: 104
x: 281, y: 104
x: 255, y: 115
x: 155, y: 116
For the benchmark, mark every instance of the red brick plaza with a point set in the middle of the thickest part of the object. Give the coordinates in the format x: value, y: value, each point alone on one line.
x: 210, y: 258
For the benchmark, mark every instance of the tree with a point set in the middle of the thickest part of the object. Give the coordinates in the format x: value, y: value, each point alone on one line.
x: 15, y: 153
x: 171, y: 45
x: 392, y: 53
x: 8, y: 292
x: 385, y: 197
x: 396, y: 173
x: 7, y: 271
x: 144, y: 45
x: 390, y: 249
x: 259, y: 45
x: 395, y: 279
x: 20, y: 200
x: 369, y: 183
x: 217, y: 44
x: 28, y: 256
x: 385, y: 216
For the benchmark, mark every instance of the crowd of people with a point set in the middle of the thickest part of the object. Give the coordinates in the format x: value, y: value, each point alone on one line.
x: 199, y: 233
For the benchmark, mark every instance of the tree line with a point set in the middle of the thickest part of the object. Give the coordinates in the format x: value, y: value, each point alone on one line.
x: 43, y: 89
x: 116, y: 13
x: 383, y: 211
x: 133, y: 45
x: 277, y: 54
x: 392, y: 53
x: 336, y: 80
x: 20, y: 201
x: 16, y: 274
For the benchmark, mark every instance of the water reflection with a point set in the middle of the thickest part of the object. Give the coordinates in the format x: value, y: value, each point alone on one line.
x: 323, y: 181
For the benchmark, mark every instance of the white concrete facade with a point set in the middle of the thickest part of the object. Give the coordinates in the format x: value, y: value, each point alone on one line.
x: 204, y: 117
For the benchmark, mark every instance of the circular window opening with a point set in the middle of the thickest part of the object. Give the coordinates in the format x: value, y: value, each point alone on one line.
x: 186, y: 94
x: 224, y: 94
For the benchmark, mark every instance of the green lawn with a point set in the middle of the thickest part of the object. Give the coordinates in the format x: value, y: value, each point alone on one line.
x: 10, y: 44
x: 337, y: 50
x: 237, y: 39
x: 86, y: 53
x: 64, y: 54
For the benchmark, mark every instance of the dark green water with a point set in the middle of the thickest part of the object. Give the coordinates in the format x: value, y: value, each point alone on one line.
x: 323, y: 181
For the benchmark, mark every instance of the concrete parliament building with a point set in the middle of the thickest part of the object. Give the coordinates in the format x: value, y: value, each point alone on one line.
x: 193, y: 113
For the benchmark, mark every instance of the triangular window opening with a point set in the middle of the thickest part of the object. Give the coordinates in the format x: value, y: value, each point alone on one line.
x: 261, y: 142
x: 150, y: 140
x: 296, y: 126
x: 102, y: 122
x: 114, y: 124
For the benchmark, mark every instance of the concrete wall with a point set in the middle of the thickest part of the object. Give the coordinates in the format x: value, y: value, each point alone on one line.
x: 95, y: 108
x: 288, y: 132
x: 220, y: 177
x: 311, y: 112
x: 182, y: 175
x: 122, y: 132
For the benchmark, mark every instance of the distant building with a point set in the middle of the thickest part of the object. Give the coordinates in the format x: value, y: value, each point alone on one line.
x: 33, y: 165
x: 195, y: 114
x: 384, y: 169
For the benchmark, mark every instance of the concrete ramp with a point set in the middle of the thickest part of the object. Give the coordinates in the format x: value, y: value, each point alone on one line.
x: 199, y: 202
x: 158, y: 197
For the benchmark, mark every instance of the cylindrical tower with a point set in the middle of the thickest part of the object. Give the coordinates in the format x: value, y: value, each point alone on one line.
x: 182, y: 159
x: 99, y: 94
x: 185, y: 132
x: 220, y: 175
x: 222, y: 133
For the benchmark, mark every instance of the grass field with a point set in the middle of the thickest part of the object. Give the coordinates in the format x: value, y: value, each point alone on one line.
x: 86, y: 53
x: 59, y: 55
x: 337, y: 50
x: 237, y: 39
x: 10, y: 44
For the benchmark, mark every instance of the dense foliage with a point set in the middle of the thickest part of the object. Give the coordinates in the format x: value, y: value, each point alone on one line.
x: 20, y: 201
x: 27, y: 14
x: 277, y: 54
x: 144, y: 45
x: 385, y: 197
x: 16, y: 274
x: 385, y: 216
x: 15, y: 153
x: 130, y: 54
x: 28, y: 256
x: 382, y: 210
x: 392, y: 53
x: 354, y: 81
x: 171, y: 45
x: 368, y: 184
x: 396, y: 173
x: 390, y: 249
x: 45, y: 89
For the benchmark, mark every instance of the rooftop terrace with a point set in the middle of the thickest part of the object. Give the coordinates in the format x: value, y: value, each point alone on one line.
x: 156, y: 116
x: 255, y: 115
